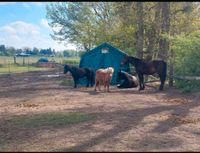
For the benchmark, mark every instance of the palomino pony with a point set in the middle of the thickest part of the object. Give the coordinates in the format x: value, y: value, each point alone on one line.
x: 103, y: 76
x: 148, y: 68
x: 78, y: 73
x: 129, y: 81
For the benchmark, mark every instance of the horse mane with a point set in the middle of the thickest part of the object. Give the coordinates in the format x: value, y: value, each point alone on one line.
x: 69, y: 66
x: 135, y: 58
x: 138, y: 60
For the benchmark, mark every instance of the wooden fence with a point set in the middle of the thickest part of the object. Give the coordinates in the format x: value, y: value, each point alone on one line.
x: 187, y: 77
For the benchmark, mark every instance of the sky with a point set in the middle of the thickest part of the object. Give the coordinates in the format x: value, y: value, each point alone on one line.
x: 24, y: 24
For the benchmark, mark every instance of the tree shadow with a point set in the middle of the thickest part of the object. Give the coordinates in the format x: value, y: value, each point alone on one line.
x: 128, y: 119
x: 180, y: 111
x: 122, y: 121
x: 114, y: 89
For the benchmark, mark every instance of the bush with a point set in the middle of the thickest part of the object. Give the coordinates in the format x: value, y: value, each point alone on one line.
x: 187, y: 55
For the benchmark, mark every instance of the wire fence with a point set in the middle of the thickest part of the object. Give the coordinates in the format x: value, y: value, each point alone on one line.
x: 10, y: 64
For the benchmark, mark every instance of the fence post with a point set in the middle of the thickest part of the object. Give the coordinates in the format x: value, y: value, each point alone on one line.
x: 8, y: 65
x: 15, y: 59
x: 23, y: 61
x: 28, y: 63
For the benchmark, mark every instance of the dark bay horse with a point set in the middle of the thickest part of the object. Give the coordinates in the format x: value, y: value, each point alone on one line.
x: 78, y: 73
x: 143, y: 67
x: 129, y: 81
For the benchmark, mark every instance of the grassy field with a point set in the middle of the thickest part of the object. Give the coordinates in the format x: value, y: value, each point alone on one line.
x: 55, y: 119
x: 24, y: 64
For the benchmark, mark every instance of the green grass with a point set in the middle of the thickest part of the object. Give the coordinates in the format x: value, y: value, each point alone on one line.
x: 7, y: 63
x: 18, y: 69
x: 5, y: 60
x: 50, y: 119
x: 74, y: 61
x: 67, y: 82
x: 186, y: 86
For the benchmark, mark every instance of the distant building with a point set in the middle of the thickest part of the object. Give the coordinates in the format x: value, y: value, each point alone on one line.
x: 23, y: 54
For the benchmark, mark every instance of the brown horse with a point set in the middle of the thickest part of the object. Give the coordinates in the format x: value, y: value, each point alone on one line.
x: 147, y: 68
x: 103, y: 76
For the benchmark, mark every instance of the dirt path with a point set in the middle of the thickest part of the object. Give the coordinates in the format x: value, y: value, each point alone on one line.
x: 123, y: 120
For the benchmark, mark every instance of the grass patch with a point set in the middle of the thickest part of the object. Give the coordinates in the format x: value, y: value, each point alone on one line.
x: 72, y: 61
x: 51, y: 119
x: 188, y: 86
x: 67, y: 82
x: 7, y: 63
x: 19, y: 69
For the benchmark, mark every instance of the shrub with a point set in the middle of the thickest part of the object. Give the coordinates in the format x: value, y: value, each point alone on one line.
x: 187, y: 55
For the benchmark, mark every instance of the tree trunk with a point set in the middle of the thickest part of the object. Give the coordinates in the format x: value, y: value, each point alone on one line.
x: 157, y: 26
x: 164, y: 43
x: 151, y: 34
x: 140, y: 31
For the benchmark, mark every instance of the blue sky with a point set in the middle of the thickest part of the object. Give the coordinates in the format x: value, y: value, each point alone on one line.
x: 24, y: 24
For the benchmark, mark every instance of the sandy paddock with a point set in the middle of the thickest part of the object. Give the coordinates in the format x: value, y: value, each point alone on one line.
x: 125, y: 120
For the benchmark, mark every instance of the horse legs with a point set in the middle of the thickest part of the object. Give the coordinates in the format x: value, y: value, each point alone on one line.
x: 107, y: 85
x: 91, y: 80
x: 99, y: 86
x: 141, y: 81
x: 162, y: 81
x: 97, y: 83
x: 75, y: 83
x: 88, y: 79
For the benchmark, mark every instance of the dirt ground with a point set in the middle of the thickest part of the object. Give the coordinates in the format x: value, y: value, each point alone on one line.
x: 125, y: 120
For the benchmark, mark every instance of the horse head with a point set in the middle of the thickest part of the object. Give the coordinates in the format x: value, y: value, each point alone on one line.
x: 125, y: 60
x: 66, y: 68
x: 110, y: 70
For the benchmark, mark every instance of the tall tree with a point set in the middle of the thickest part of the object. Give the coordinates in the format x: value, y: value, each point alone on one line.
x: 140, y: 30
x: 3, y: 50
x: 165, y: 27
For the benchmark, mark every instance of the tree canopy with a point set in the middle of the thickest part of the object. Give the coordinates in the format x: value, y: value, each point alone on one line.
x: 149, y: 30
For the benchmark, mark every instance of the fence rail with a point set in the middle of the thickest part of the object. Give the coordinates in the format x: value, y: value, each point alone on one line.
x: 187, y: 77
